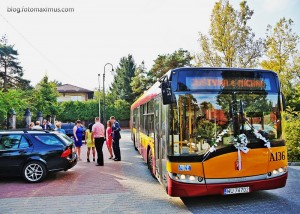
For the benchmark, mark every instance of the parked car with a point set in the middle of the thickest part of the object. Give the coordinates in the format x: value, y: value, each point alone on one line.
x: 68, y: 127
x: 33, y: 154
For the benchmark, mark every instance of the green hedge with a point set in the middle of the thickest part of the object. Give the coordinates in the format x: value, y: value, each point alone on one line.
x: 291, y: 130
x: 88, y: 110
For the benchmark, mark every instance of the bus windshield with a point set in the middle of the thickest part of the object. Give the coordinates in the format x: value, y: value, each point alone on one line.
x: 197, y: 119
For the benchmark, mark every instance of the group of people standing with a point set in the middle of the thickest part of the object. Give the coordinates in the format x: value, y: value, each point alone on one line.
x: 46, y: 125
x: 95, y: 136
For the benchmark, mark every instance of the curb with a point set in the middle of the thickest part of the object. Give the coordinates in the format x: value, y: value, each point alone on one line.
x: 293, y: 163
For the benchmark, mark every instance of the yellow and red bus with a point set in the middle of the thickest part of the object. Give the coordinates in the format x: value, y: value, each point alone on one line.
x: 206, y: 131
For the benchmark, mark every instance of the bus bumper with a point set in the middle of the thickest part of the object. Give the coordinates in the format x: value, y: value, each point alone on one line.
x: 178, y: 189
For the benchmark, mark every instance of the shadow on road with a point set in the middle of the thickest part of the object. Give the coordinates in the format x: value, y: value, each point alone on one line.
x: 259, y: 202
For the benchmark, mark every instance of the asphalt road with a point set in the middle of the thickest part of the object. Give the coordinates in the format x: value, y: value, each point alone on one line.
x: 127, y: 187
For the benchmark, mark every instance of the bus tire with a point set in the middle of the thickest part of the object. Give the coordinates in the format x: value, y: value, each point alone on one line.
x: 150, y: 162
x: 134, y: 143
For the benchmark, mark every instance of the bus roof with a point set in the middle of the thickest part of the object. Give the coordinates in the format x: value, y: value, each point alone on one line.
x: 220, y: 69
x: 148, y: 95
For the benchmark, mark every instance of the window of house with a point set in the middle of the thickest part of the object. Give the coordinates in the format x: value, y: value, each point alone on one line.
x: 76, y: 98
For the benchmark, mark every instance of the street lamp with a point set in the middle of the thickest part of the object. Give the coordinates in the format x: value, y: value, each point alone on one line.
x: 112, y: 69
x: 99, y: 96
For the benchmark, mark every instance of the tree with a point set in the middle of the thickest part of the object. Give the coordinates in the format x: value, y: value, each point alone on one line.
x: 121, y: 110
x: 45, y: 97
x: 291, y: 130
x: 164, y: 63
x: 57, y: 83
x: 282, y: 56
x: 139, y: 82
x: 13, y: 99
x: 11, y: 72
x: 231, y: 42
x: 121, y: 88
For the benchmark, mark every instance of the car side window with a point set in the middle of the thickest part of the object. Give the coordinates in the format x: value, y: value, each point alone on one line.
x: 49, y: 139
x: 23, y: 143
x: 10, y: 141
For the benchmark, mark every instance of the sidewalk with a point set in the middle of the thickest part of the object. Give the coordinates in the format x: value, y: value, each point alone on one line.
x: 294, y: 163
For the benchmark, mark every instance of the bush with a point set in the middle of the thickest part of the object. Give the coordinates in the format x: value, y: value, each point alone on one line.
x: 71, y: 111
x: 291, y: 130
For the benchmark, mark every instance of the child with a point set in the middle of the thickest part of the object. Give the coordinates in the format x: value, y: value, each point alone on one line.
x: 90, y: 142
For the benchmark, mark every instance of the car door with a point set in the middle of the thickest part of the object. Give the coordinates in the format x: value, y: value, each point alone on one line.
x: 14, y: 150
x: 50, y: 148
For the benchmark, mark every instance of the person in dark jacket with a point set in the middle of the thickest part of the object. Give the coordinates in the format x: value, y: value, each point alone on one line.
x: 46, y: 125
x: 116, y: 138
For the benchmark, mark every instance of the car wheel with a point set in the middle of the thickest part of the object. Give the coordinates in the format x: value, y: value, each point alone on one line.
x: 34, y: 171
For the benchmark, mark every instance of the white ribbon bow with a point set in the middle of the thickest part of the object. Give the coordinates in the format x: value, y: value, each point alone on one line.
x: 241, y: 145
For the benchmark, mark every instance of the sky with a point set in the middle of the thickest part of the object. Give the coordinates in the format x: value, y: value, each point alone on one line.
x: 73, y: 47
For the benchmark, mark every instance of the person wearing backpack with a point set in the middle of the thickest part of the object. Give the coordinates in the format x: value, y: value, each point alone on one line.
x: 116, y: 138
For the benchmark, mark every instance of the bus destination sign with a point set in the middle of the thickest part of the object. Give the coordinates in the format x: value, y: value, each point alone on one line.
x: 194, y: 83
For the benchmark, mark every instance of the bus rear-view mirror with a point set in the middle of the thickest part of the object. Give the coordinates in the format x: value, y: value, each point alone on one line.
x: 166, y: 93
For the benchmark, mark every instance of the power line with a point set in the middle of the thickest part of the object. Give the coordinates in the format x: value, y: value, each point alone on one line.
x: 32, y: 46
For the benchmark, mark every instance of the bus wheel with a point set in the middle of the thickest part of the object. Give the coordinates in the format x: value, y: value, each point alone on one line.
x: 134, y: 143
x: 150, y: 163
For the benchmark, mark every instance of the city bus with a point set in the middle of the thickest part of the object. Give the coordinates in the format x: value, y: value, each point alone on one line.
x: 205, y: 131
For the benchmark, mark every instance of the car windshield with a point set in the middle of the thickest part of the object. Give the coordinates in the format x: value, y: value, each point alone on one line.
x: 198, y: 119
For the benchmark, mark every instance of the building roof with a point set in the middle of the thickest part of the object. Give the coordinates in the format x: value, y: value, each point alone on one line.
x: 68, y: 88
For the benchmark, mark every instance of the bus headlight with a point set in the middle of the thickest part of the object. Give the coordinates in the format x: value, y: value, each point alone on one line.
x: 277, y: 172
x: 192, y: 178
x: 186, y: 178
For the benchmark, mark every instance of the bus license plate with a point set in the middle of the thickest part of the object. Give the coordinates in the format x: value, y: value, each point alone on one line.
x: 236, y: 190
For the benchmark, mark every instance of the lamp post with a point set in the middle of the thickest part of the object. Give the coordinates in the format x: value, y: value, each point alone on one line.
x: 112, y: 69
x: 99, y: 96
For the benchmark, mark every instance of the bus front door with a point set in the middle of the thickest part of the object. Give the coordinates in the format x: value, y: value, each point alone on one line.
x: 157, y: 143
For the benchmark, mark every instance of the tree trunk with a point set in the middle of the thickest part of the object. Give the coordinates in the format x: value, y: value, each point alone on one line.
x: 5, y: 77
